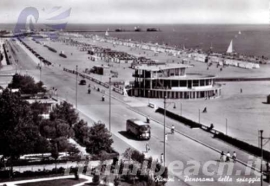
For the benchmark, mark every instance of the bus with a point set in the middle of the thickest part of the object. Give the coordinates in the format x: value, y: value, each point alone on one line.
x: 139, y: 129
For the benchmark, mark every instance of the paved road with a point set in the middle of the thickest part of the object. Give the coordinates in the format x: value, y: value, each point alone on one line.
x: 90, y: 106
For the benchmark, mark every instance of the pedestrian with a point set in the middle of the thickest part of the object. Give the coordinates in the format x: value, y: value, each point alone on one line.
x: 241, y: 90
x: 147, y: 119
x: 234, y: 156
x: 172, y: 129
x: 228, y: 156
x: 222, y: 156
x: 147, y: 147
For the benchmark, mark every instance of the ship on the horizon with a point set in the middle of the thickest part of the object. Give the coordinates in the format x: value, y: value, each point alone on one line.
x: 137, y: 29
x: 152, y: 29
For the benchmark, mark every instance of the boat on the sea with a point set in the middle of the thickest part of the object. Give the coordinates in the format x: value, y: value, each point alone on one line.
x: 137, y: 29
x: 152, y: 29
x: 106, y: 33
x: 230, y: 48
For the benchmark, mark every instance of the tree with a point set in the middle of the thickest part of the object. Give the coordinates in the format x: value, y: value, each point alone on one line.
x: 38, y: 109
x: 66, y: 112
x: 26, y: 84
x: 99, y: 139
x: 55, y: 152
x: 116, y: 181
x: 54, y: 129
x: 42, y: 146
x: 19, y: 134
x: 81, y: 131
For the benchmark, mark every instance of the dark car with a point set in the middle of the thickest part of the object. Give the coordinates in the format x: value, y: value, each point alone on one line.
x: 82, y: 82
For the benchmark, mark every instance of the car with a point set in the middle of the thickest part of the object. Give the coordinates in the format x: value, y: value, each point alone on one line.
x: 82, y: 82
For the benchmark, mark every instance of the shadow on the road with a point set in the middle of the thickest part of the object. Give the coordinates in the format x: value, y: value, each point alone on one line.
x: 128, y: 136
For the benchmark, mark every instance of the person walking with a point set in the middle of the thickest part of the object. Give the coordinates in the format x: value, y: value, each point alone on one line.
x: 147, y: 147
x: 172, y: 129
x: 222, y: 154
x: 228, y: 156
x: 234, y: 156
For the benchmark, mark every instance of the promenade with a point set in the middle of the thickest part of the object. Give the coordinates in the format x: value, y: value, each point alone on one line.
x: 178, y: 146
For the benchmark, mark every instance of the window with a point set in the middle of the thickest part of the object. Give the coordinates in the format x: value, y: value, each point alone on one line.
x: 174, y: 83
x: 183, y: 83
x: 195, y: 83
x: 202, y: 82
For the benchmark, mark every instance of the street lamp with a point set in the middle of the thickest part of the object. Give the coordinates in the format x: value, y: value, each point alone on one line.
x: 110, y: 104
x: 226, y: 126
x: 181, y: 110
x: 199, y: 115
x: 40, y: 72
x: 148, y: 96
x: 164, y: 147
x: 76, y: 84
x: 261, y: 138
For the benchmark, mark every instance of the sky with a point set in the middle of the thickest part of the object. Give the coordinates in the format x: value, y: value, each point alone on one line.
x: 143, y: 11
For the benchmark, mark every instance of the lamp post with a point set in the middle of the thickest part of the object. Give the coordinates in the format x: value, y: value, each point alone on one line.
x: 76, y: 84
x: 110, y: 104
x: 40, y: 72
x: 199, y: 115
x: 261, y: 139
x: 148, y: 96
x: 226, y: 126
x: 164, y: 146
x: 181, y: 110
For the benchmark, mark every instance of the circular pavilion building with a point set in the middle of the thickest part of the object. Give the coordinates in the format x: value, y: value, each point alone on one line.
x: 171, y: 80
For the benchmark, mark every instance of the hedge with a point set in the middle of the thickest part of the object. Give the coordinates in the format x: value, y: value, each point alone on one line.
x: 190, y: 123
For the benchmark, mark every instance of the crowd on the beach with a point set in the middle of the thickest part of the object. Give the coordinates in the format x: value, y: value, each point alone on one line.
x: 240, y: 61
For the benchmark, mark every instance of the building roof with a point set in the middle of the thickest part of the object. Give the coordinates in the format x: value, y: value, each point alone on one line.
x: 101, y: 66
x: 189, y: 76
x: 161, y: 67
x: 138, y: 122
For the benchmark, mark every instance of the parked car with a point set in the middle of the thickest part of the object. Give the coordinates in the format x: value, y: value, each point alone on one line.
x: 82, y: 82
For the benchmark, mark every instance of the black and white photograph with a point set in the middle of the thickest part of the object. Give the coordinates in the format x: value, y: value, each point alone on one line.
x: 135, y: 93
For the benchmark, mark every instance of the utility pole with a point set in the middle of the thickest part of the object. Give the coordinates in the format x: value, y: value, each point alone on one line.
x: 76, y: 85
x: 261, y: 144
x: 164, y: 146
x: 40, y: 72
x: 110, y: 104
x: 226, y: 126
x: 148, y: 96
x: 199, y: 115
x: 181, y: 109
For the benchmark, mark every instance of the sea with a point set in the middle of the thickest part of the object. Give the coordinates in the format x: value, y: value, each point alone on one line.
x: 250, y: 40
